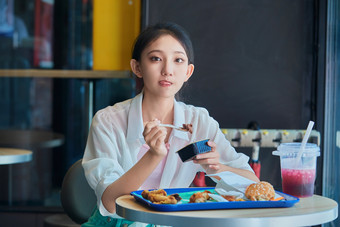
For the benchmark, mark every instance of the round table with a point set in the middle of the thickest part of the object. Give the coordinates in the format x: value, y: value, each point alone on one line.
x: 39, y: 170
x: 9, y: 156
x: 314, y: 210
x: 12, y: 156
x: 30, y: 138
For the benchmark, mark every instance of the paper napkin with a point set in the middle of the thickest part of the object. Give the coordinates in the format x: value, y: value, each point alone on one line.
x: 232, y: 184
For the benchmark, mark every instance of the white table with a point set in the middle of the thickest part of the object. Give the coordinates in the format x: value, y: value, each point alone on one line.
x: 314, y: 210
x: 37, y: 141
x: 9, y: 156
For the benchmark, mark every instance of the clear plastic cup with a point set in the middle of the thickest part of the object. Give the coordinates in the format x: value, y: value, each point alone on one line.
x: 298, y: 176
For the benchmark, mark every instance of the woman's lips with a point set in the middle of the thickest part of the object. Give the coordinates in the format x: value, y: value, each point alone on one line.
x: 165, y: 83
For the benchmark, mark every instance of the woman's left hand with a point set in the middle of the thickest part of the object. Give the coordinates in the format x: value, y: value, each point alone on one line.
x: 210, y: 161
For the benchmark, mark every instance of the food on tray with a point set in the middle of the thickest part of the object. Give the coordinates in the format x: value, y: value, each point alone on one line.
x: 177, y: 197
x: 216, y: 201
x: 200, y: 197
x: 160, y: 197
x: 146, y: 193
x: 261, y: 191
x: 278, y: 198
x: 187, y: 127
x: 232, y: 198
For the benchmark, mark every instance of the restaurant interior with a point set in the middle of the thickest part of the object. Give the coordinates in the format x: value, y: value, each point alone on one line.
x: 262, y: 68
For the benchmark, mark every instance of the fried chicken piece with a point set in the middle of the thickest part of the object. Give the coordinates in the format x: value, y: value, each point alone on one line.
x: 160, y: 197
x: 200, y: 197
x: 146, y: 193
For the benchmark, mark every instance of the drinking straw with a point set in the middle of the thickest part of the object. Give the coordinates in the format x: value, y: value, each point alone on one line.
x: 304, y: 141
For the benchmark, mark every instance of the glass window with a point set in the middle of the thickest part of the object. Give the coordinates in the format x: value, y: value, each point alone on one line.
x: 331, y: 153
x: 52, y: 36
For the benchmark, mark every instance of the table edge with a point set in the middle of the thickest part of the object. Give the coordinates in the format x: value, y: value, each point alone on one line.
x: 160, y: 218
x: 17, y: 158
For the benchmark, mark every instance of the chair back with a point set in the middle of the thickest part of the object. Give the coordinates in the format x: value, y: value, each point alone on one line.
x: 77, y: 197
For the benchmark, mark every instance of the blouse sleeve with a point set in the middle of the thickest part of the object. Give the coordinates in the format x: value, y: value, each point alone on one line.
x: 100, y: 158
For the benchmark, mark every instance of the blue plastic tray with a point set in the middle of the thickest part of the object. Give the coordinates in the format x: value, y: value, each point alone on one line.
x: 287, y: 202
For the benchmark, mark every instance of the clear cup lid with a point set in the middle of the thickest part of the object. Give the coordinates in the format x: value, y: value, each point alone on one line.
x: 285, y: 149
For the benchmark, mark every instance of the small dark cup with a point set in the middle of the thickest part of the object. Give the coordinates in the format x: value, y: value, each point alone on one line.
x: 189, y: 152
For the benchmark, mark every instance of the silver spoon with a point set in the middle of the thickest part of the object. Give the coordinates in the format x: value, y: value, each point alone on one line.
x: 175, y: 127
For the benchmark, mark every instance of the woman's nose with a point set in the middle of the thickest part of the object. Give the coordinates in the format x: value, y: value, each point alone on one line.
x: 167, y: 69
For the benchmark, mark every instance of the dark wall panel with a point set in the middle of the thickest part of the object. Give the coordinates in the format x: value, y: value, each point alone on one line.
x: 253, y: 59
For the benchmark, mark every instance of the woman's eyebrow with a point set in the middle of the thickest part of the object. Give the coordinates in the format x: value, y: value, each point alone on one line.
x: 153, y: 51
x: 160, y: 51
x: 180, y: 52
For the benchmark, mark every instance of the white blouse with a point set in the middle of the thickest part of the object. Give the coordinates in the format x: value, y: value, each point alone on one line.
x: 115, y: 139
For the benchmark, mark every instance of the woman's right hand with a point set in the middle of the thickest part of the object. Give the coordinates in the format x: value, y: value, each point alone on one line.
x: 154, y: 136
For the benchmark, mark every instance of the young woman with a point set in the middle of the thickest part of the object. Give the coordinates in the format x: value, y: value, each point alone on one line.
x: 128, y: 150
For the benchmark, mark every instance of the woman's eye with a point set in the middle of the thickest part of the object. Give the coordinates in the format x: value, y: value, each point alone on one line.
x: 179, y: 60
x: 155, y: 59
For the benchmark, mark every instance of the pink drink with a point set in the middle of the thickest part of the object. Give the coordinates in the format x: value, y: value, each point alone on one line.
x: 298, y: 182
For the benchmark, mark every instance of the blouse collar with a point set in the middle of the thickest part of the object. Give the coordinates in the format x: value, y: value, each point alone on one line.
x: 135, y: 120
